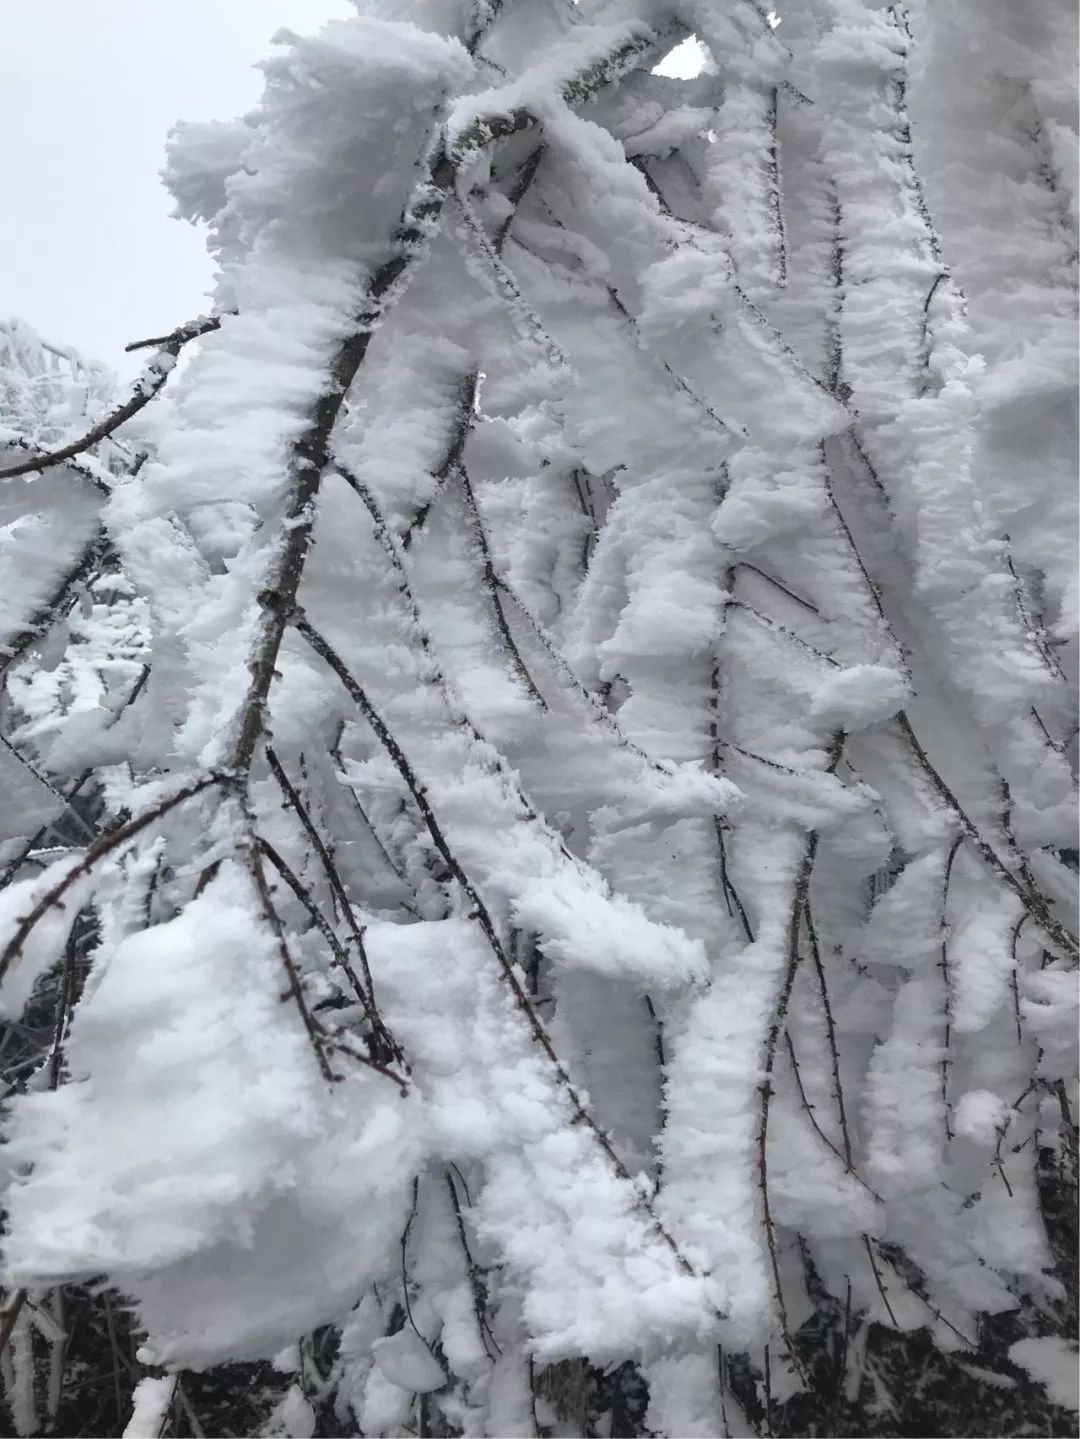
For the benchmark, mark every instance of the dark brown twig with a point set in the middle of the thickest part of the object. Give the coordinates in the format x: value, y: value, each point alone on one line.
x: 337, y: 949
x: 869, y: 1247
x: 769, y: 579
x: 776, y: 198
x: 830, y: 1033
x: 474, y: 1272
x: 277, y: 929
x: 91, y: 472
x: 182, y: 334
x: 365, y: 819
x: 522, y: 184
x: 943, y: 964
x: 776, y: 1027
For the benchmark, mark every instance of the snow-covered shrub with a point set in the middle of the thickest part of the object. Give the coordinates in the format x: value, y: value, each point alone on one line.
x: 582, y: 909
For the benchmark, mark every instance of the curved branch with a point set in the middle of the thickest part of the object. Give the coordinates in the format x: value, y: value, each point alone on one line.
x: 60, y: 602
x: 1033, y: 901
x: 97, y: 852
x: 150, y: 383
x: 182, y: 334
x: 86, y: 469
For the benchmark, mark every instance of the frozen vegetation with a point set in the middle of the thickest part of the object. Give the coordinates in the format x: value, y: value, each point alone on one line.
x: 538, y: 835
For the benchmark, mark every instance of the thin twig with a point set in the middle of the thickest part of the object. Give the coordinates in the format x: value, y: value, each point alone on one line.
x: 277, y: 929
x: 337, y: 889
x: 338, y: 950
x: 946, y: 985
x: 1032, y: 901
x: 182, y: 334
x: 776, y: 1027
x: 830, y: 1032
x: 473, y: 1270
x: 806, y: 605
x: 491, y: 584
x: 525, y: 177
x: 149, y: 384
x: 98, y: 851
x: 60, y: 603
x: 869, y: 1247
x: 337, y: 757
x: 465, y: 407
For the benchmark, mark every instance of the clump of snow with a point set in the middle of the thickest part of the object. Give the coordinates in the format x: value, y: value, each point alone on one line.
x: 859, y: 695
x: 578, y: 1245
x: 979, y: 1115
x: 1054, y: 1363
x: 218, y: 1190
x: 406, y: 1361
x: 293, y: 1417
x: 1049, y: 1001
x: 150, y: 1407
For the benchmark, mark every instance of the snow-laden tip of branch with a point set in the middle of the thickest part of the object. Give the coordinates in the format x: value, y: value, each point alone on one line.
x: 87, y: 469
x: 146, y: 387
x: 50, y: 891
x: 150, y: 1403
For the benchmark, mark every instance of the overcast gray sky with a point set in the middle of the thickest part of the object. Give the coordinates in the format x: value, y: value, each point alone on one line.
x: 88, y: 89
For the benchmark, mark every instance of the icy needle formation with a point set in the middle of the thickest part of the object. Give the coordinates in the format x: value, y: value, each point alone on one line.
x: 540, y: 890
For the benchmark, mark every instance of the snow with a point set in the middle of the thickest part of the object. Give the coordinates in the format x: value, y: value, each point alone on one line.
x: 543, y: 84
x: 859, y: 695
x: 150, y: 1408
x: 198, y: 1190
x: 405, y: 1360
x: 980, y: 1116
x: 293, y: 1418
x: 592, y: 1271
x: 43, y: 946
x: 1051, y: 1361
